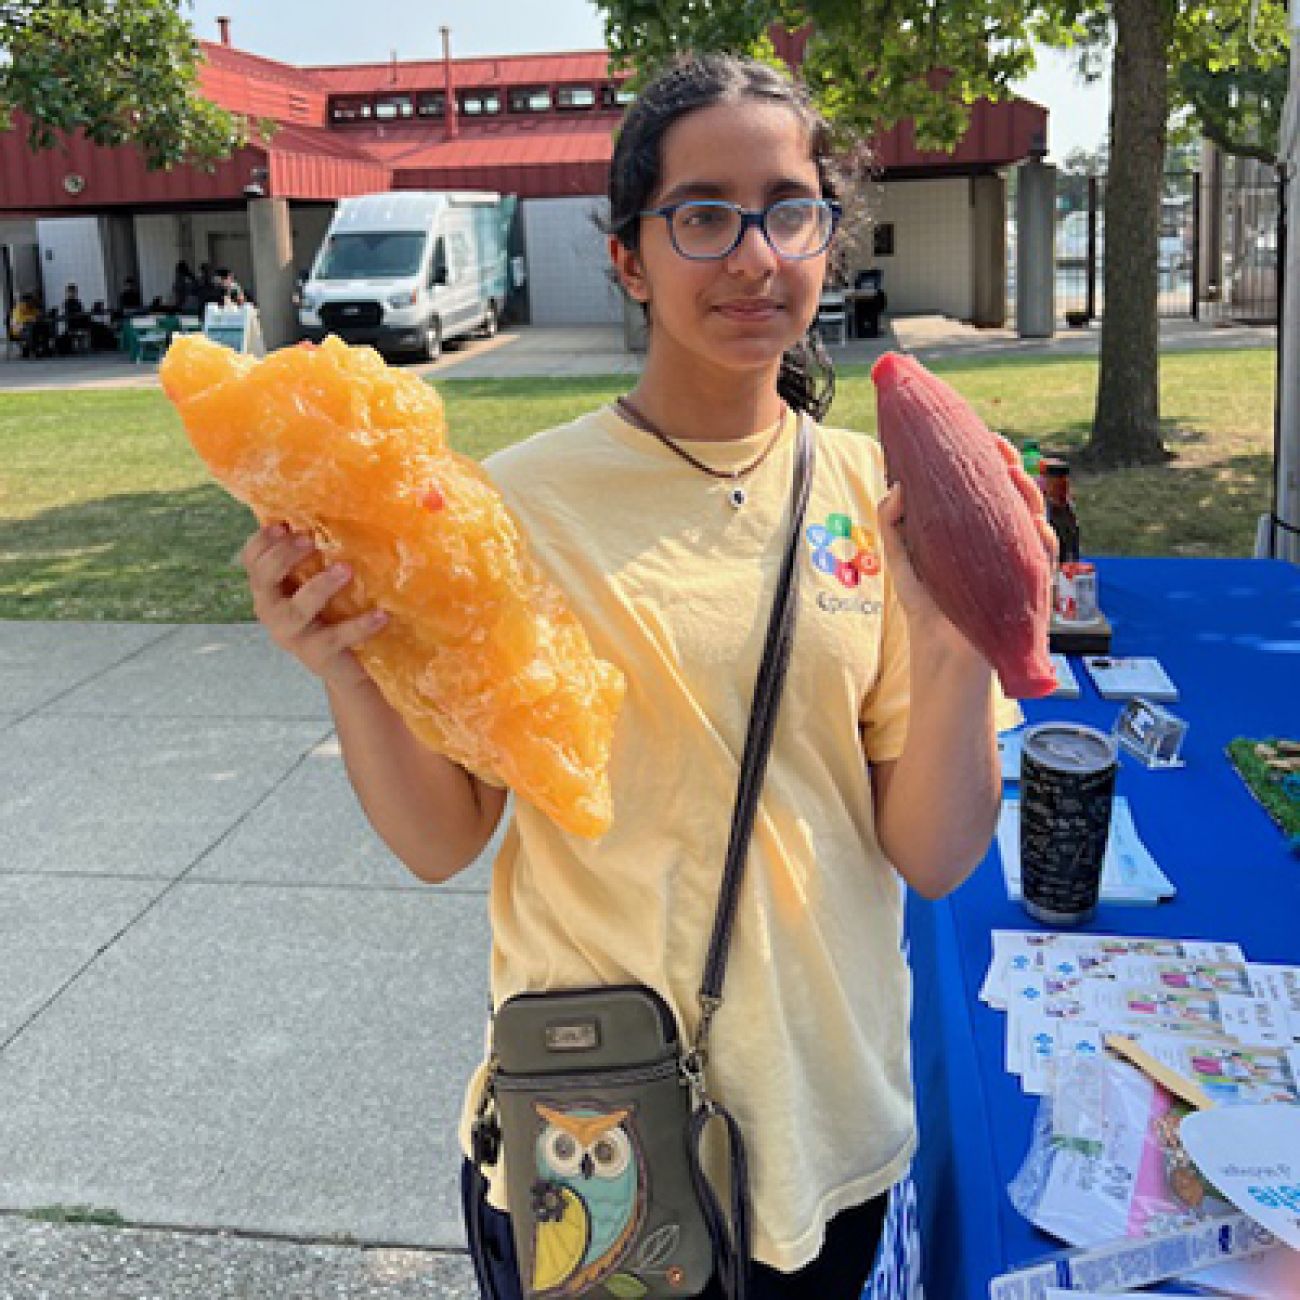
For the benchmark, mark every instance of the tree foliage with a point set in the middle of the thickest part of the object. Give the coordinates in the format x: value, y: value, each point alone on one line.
x: 870, y: 62
x: 1240, y: 109
x: 119, y: 70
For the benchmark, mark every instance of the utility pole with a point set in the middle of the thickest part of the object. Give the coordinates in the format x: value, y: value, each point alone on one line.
x: 450, y: 111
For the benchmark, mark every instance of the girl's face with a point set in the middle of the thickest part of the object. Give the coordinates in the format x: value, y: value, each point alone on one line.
x: 742, y: 311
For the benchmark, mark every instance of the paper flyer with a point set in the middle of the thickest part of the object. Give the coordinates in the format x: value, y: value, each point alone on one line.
x: 1061, y: 955
x: 1232, y: 1074
x: 1062, y: 994
x: 1129, y: 873
x: 1279, y: 984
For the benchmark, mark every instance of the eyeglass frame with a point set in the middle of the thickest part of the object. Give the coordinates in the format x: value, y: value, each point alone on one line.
x: 748, y: 217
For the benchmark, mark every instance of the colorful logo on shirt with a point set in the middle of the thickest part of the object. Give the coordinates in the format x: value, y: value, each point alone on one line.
x: 843, y: 549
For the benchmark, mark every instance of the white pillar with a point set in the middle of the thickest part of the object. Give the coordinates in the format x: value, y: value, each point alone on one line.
x: 1035, y: 250
x: 271, y: 236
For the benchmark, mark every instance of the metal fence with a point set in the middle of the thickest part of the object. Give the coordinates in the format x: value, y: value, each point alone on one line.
x: 1217, y: 247
x: 1240, y: 250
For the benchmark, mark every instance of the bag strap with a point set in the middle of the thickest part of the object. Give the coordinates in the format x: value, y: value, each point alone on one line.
x: 758, y: 740
x: 730, y: 1234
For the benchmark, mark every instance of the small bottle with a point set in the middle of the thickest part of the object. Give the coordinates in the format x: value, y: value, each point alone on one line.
x: 1031, y: 456
x: 1055, y: 482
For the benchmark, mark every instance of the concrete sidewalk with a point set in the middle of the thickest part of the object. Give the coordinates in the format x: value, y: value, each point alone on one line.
x: 224, y: 1007
x: 560, y: 352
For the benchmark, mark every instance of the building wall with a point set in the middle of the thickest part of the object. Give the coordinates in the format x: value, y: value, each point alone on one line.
x: 567, y: 265
x: 930, y: 269
x: 157, y: 249
x: 72, y: 253
x: 17, y: 230
x: 19, y: 256
x: 310, y: 222
x: 222, y: 239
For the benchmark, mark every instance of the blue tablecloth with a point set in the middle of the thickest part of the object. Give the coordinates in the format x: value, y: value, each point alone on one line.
x: 1228, y: 633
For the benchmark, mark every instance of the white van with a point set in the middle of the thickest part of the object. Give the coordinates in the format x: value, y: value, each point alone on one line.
x: 409, y: 269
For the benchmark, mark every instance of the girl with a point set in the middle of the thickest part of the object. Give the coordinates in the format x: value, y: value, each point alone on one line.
x: 664, y: 519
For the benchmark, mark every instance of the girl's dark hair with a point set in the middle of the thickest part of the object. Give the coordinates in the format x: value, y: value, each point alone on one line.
x: 807, y: 378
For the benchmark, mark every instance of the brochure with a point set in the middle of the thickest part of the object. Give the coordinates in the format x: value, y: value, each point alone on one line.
x: 1129, y: 872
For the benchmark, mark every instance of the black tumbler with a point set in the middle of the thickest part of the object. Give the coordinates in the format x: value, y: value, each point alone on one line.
x: 1067, y: 783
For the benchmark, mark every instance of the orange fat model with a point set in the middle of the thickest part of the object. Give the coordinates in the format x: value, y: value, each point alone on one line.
x: 482, y: 655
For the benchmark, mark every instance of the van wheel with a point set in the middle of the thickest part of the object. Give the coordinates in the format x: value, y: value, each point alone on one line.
x: 488, y: 329
x: 431, y: 348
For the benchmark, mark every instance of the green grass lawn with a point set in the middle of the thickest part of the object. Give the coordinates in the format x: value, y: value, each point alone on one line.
x: 106, y: 513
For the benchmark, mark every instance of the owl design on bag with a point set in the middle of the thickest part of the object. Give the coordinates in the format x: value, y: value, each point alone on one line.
x: 589, y: 1199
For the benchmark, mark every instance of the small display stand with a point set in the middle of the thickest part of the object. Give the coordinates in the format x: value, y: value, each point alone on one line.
x: 1075, y: 637
x: 1151, y: 733
x: 235, y: 327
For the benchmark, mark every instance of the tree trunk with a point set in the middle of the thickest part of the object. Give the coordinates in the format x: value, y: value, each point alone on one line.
x: 1126, y: 426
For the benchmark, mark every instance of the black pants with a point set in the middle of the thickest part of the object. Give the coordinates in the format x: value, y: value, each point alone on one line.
x: 840, y: 1272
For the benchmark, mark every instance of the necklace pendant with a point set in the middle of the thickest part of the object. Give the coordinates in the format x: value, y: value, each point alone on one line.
x: 737, y: 496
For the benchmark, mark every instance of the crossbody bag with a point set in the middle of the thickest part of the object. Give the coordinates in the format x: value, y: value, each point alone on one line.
x: 600, y: 1107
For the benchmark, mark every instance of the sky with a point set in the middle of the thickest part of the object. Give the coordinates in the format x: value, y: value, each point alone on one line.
x: 343, y: 31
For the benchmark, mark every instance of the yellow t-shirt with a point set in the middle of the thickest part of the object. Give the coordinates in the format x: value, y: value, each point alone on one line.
x: 810, y: 1048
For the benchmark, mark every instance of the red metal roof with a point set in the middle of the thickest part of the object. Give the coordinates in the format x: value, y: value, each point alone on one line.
x: 541, y: 156
x: 301, y: 162
x: 248, y: 83
x: 533, y: 159
x: 538, y: 180
x: 505, y: 70
x: 311, y: 162
x: 998, y: 135
x: 588, y: 139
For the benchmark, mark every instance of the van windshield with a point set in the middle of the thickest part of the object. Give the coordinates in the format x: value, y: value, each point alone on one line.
x: 381, y: 255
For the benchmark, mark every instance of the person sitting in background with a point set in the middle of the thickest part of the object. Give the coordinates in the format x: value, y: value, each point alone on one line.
x: 209, y: 290
x: 130, y: 299
x: 232, y: 293
x: 27, y: 325
x: 74, y: 312
x: 73, y: 321
x: 186, y: 289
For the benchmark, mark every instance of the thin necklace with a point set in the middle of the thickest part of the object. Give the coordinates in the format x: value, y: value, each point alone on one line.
x: 737, y: 495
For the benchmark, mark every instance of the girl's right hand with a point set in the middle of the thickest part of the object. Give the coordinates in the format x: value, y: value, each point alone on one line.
x: 290, y: 610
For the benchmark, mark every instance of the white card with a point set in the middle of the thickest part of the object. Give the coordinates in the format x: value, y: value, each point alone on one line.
x: 1138, y: 675
x: 1067, y: 684
x: 1252, y: 1155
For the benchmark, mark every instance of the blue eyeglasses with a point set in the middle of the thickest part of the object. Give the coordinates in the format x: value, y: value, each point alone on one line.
x: 706, y: 230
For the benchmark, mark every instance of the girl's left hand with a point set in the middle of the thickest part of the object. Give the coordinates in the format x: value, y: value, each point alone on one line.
x: 916, y: 601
